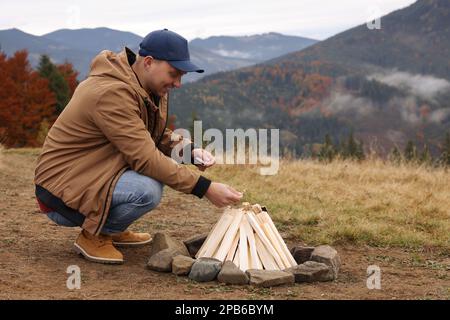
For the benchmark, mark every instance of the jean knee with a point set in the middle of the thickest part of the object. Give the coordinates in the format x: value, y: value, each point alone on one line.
x: 152, y: 194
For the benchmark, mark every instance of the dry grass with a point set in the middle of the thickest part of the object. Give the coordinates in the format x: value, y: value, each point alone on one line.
x: 368, y: 203
x: 371, y: 203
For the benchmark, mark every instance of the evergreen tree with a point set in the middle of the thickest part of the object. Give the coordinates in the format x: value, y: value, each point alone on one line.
x: 360, y: 151
x: 445, y: 155
x: 57, y: 83
x: 395, y: 156
x: 327, y: 151
x: 410, y: 152
x: 425, y: 156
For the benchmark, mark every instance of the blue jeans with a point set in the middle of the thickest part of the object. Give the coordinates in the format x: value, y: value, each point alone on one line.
x: 133, y: 196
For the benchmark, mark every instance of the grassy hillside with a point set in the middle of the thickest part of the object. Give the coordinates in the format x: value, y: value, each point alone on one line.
x: 368, y: 203
x: 371, y: 202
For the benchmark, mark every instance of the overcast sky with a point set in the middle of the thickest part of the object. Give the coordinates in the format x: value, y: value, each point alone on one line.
x: 318, y: 19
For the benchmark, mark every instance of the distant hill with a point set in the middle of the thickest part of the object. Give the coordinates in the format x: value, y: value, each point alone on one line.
x: 81, y: 45
x: 389, y: 85
x: 255, y: 48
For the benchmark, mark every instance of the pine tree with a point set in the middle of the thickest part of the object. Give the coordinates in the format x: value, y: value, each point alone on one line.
x: 360, y: 151
x: 425, y: 156
x: 410, y: 152
x: 395, y: 156
x: 57, y: 83
x: 445, y: 155
x: 327, y: 151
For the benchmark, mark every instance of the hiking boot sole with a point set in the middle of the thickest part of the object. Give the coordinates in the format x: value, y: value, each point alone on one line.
x: 81, y: 251
x: 132, y: 244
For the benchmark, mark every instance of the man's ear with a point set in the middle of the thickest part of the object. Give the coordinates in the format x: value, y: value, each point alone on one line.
x: 148, y: 61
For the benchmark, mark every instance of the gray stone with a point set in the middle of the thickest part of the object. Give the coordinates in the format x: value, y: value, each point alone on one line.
x: 163, y: 241
x: 230, y: 274
x: 312, y: 271
x: 329, y: 256
x: 181, y: 265
x: 205, y: 269
x: 269, y: 278
x: 194, y: 244
x: 302, y: 254
x: 162, y: 260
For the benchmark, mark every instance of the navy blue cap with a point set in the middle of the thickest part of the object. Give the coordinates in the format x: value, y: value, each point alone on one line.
x: 169, y: 46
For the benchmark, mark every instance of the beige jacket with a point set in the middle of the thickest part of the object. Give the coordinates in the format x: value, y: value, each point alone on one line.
x: 109, y: 125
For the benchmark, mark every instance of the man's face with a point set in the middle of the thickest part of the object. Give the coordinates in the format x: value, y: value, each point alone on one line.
x: 160, y: 76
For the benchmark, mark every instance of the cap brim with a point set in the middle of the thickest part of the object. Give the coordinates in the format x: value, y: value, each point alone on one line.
x: 186, y: 66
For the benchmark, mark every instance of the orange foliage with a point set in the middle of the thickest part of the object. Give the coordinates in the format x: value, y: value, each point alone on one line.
x: 25, y: 101
x: 70, y: 75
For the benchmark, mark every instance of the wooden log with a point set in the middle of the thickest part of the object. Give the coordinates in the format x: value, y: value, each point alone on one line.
x: 229, y: 236
x: 243, y: 252
x: 256, y: 208
x: 265, y: 216
x: 217, y: 236
x: 254, y: 223
x: 232, y: 251
x: 213, y: 231
x: 267, y: 260
x: 236, y: 257
x: 275, y: 244
x: 255, y: 262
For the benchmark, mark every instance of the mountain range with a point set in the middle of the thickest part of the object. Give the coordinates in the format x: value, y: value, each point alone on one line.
x: 213, y: 54
x: 387, y: 85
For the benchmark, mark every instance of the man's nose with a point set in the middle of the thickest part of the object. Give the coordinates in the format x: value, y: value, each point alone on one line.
x: 177, y: 82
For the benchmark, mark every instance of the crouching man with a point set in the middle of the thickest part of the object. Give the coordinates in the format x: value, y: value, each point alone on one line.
x: 107, y: 157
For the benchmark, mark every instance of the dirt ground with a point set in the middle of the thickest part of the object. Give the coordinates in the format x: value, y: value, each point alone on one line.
x: 35, y: 254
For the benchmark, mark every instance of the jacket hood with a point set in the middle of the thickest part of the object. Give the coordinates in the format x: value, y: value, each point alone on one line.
x: 116, y: 66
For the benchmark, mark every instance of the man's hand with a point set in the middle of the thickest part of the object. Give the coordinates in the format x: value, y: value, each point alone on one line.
x: 222, y: 195
x: 203, y: 159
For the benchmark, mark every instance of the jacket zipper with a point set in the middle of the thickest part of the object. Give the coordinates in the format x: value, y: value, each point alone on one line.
x: 167, y: 119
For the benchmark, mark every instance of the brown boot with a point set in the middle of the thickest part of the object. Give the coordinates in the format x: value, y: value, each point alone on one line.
x: 97, y: 248
x: 130, y: 238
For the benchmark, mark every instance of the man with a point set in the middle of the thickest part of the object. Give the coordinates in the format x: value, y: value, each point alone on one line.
x: 107, y: 156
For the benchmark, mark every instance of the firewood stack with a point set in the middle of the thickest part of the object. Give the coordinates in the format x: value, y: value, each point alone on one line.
x: 248, y: 237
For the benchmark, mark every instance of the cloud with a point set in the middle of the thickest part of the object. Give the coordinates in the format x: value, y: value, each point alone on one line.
x: 422, y: 86
x: 440, y: 115
x: 339, y: 103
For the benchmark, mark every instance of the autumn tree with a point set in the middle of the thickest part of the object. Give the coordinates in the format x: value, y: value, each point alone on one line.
x: 70, y: 76
x: 25, y: 101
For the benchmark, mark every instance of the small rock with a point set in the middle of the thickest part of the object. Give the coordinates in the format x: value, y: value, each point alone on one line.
x: 329, y: 256
x: 312, y: 271
x: 205, y: 269
x: 269, y: 278
x: 162, y: 260
x: 163, y: 241
x: 230, y: 274
x: 194, y: 244
x: 302, y: 254
x: 181, y: 265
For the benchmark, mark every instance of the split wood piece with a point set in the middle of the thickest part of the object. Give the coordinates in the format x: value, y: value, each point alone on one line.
x: 243, y: 251
x: 252, y: 219
x: 229, y: 236
x: 256, y: 208
x: 269, y: 233
x: 266, y: 257
x: 236, y: 256
x: 208, y: 238
x: 231, y: 253
x: 216, y: 236
x: 266, y: 218
x: 255, y: 262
